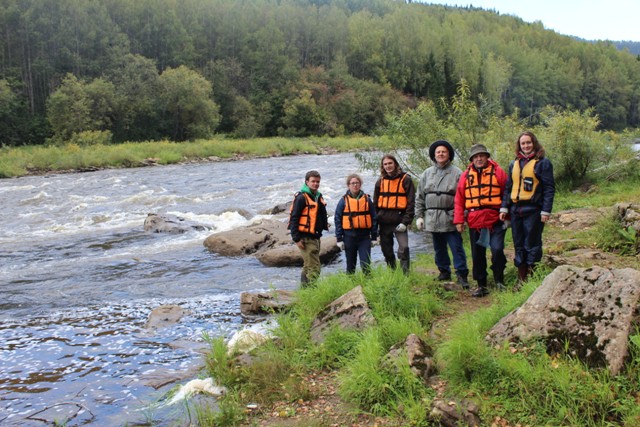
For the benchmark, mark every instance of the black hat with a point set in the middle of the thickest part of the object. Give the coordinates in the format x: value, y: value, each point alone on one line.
x: 438, y: 143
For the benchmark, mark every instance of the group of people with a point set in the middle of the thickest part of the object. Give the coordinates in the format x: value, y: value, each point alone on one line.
x: 484, y: 197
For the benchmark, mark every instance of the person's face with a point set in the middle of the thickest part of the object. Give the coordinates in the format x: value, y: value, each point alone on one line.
x: 526, y: 144
x: 442, y: 155
x: 480, y: 160
x: 313, y: 183
x: 388, y: 165
x: 354, y: 185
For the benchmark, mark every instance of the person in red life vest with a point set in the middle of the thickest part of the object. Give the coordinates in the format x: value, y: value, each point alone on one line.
x: 477, y: 202
x: 394, y: 197
x: 307, y: 220
x: 528, y: 199
x: 356, y: 226
x: 434, y: 211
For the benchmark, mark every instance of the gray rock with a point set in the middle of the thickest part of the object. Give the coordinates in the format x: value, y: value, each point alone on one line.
x: 155, y: 223
x: 592, y: 310
x: 350, y: 311
x: 256, y: 303
x: 419, y: 356
x: 452, y: 413
x: 289, y: 255
x: 259, y: 236
x: 578, y: 219
x: 629, y: 215
x: 163, y: 316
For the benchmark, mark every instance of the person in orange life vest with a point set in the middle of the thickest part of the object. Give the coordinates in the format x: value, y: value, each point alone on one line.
x: 307, y: 221
x: 394, y: 198
x: 356, y: 226
x: 478, y: 200
x: 528, y: 199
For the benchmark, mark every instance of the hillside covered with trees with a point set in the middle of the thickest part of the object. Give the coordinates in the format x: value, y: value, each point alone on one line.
x: 136, y: 70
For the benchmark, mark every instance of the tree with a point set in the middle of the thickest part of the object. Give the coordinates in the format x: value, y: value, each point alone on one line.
x: 185, y: 100
x: 77, y: 106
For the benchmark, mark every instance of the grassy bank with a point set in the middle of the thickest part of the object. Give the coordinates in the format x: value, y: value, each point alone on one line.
x: 27, y: 160
x: 522, y: 387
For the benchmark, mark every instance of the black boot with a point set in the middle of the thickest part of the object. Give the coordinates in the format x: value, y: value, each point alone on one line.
x: 462, y: 280
x: 481, y: 290
x: 405, y: 264
x: 444, y: 275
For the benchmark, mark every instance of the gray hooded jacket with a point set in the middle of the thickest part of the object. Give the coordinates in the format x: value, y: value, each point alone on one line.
x: 435, y: 197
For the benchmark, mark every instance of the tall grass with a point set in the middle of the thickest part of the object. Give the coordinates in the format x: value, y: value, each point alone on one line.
x: 21, y: 161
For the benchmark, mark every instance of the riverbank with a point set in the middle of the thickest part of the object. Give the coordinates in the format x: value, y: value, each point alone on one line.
x: 346, y: 381
x: 69, y: 158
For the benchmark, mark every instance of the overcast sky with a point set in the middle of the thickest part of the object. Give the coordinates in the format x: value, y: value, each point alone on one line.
x: 587, y: 19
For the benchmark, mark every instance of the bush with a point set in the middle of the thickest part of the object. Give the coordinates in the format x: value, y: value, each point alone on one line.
x: 91, y: 137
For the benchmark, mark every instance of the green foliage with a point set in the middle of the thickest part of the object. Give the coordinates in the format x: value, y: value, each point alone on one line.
x: 258, y: 56
x: 612, y: 236
x: 185, y: 99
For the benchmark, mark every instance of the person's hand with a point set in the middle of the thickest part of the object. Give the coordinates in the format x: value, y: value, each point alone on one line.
x: 502, y: 216
x: 460, y: 228
x: 544, y: 218
x: 300, y: 244
x: 401, y: 228
x: 420, y: 223
x: 374, y: 243
x: 341, y: 245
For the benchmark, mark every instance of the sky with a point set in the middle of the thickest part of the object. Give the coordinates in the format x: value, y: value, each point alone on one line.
x: 588, y: 19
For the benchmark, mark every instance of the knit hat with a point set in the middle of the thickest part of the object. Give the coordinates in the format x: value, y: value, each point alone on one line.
x: 441, y: 142
x: 478, y: 149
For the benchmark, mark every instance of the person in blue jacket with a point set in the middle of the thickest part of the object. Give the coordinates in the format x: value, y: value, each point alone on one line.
x: 356, y: 227
x: 528, y: 200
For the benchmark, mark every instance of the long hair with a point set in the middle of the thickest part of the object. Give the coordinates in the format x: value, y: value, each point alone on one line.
x: 397, y: 171
x: 537, y: 147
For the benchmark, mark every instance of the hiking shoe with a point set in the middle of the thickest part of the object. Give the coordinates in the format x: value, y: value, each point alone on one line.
x: 444, y: 276
x: 480, y: 292
x: 500, y: 286
x: 462, y: 281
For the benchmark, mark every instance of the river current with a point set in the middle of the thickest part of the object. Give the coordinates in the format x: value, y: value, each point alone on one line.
x: 79, y: 277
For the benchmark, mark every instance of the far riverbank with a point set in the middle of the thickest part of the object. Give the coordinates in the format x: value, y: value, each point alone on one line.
x: 40, y: 160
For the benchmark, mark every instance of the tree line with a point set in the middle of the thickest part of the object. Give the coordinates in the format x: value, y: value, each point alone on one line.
x: 97, y: 71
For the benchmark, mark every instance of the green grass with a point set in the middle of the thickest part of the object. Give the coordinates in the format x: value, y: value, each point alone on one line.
x: 21, y: 161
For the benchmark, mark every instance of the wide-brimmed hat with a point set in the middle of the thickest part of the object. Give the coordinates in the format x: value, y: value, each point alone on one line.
x: 441, y: 142
x: 478, y: 149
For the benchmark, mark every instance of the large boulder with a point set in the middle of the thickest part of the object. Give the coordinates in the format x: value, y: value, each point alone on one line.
x: 289, y: 255
x: 589, y: 312
x: 155, y: 223
x: 259, y: 236
x: 350, y: 311
x: 578, y: 219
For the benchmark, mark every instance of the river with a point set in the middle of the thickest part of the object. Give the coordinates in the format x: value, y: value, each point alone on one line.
x: 79, y: 277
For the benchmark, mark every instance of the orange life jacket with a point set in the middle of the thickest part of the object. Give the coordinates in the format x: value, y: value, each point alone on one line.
x: 357, y: 213
x: 392, y: 193
x: 482, y: 191
x: 309, y: 215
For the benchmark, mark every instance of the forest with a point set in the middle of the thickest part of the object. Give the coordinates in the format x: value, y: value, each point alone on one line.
x: 109, y: 71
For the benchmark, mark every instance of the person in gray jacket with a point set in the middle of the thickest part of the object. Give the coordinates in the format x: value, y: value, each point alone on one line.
x: 434, y: 211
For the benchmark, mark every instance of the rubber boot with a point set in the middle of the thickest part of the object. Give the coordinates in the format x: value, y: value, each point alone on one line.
x: 523, y: 272
x: 405, y: 264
